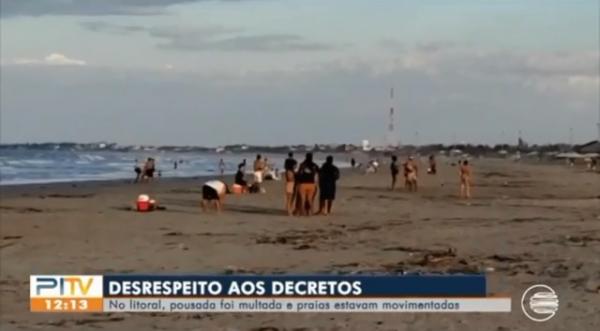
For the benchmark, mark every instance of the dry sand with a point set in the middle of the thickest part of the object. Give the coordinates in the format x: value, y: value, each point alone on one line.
x: 524, y: 221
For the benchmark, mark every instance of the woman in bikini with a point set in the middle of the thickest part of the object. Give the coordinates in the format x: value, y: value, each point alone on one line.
x: 411, y: 175
x: 290, y: 183
x: 465, y: 180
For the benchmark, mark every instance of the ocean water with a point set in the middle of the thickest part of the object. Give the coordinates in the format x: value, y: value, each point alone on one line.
x: 25, y: 166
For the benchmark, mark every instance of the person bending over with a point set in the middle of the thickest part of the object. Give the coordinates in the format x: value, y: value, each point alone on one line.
x: 213, y: 195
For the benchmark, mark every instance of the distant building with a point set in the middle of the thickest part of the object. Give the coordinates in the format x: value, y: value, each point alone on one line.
x: 366, y: 146
x: 588, y: 148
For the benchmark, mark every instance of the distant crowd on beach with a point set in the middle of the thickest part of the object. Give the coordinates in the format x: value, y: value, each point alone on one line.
x: 305, y: 181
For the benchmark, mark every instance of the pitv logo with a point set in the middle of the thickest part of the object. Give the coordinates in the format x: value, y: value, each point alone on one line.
x: 65, y: 286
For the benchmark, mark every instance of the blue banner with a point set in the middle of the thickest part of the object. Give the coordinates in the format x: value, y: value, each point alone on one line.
x: 294, y: 286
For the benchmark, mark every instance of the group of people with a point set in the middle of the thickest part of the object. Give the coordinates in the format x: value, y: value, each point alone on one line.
x: 305, y: 180
x: 146, y: 171
x: 411, y: 174
x: 302, y: 184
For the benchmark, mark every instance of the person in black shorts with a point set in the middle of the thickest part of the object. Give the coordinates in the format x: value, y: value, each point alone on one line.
x: 149, y: 168
x: 394, y: 170
x: 138, y: 173
x: 328, y: 176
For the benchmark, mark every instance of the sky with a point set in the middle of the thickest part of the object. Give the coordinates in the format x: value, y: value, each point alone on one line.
x: 215, y: 72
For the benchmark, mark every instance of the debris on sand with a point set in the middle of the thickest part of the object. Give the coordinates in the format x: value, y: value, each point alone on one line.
x: 173, y: 234
x: 592, y: 285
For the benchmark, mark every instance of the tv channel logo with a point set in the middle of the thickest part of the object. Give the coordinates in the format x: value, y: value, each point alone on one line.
x: 539, y: 303
x: 65, y: 286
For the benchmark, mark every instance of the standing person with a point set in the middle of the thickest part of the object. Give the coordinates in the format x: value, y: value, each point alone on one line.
x: 149, y: 168
x: 222, y: 167
x: 307, y: 188
x: 213, y: 192
x: 290, y: 182
x: 465, y: 179
x: 328, y: 176
x: 411, y: 174
x: 395, y: 170
x: 175, y: 165
x: 353, y: 163
x: 138, y: 172
x: 432, y: 165
x: 259, y: 168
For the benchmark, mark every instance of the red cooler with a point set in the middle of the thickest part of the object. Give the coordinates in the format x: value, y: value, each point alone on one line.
x: 143, y: 203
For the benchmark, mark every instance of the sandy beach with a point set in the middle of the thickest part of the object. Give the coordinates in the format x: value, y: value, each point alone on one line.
x: 526, y: 224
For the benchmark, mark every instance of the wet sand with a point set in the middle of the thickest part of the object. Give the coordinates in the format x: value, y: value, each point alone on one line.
x: 525, y: 225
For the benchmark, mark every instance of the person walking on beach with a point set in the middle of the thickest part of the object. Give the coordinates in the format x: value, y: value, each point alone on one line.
x: 290, y: 182
x: 328, y: 176
x: 411, y: 174
x: 222, y: 167
x: 213, y: 193
x: 394, y: 170
x: 465, y: 179
x: 307, y: 188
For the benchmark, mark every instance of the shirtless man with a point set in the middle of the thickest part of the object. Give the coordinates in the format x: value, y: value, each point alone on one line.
x: 213, y: 192
x: 411, y: 174
x: 149, y: 169
x: 465, y: 179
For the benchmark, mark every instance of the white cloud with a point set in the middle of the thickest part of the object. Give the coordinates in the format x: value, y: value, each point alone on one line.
x: 54, y: 59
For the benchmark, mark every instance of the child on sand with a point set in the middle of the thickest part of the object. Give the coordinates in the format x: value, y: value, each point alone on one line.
x: 465, y: 179
x: 213, y: 192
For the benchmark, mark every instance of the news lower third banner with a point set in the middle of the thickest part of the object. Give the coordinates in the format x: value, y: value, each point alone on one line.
x: 277, y: 294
